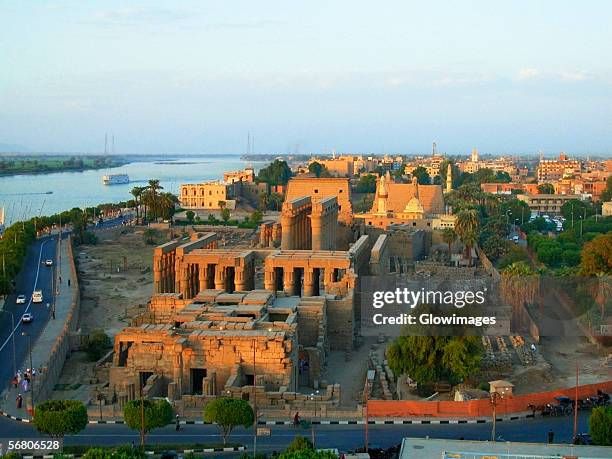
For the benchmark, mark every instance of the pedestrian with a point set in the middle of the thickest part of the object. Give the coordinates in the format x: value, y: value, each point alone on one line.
x: 296, y: 418
x: 14, y: 382
x: 68, y: 282
x: 551, y: 436
x: 178, y: 423
x: 19, y: 401
x: 18, y: 376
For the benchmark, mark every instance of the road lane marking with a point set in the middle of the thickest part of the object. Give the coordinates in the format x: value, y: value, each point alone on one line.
x: 30, y: 301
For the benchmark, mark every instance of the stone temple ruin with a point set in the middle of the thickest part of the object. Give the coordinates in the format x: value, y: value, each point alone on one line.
x: 254, y: 322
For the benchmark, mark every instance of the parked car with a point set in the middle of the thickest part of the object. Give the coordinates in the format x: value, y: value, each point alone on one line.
x: 27, y: 318
x: 21, y: 299
x: 49, y: 262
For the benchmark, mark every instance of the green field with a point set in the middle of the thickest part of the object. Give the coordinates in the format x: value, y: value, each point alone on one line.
x: 40, y: 164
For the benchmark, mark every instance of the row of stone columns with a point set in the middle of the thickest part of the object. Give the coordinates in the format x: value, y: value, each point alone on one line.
x: 292, y: 284
x: 163, y: 273
x: 296, y: 233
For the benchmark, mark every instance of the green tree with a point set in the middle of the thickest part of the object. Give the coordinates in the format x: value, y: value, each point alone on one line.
x: 316, y: 168
x: 97, y: 345
x: 228, y: 413
x: 225, y: 214
x: 190, y: 214
x: 575, y: 210
x: 421, y: 175
x: 495, y: 247
x: 60, y: 417
x: 519, y: 268
x: 137, y: 193
x: 466, y: 227
x: 600, y: 426
x: 277, y: 173
x: 449, y: 237
x: 606, y: 195
x: 596, y: 256
x: 428, y: 359
x: 157, y: 414
x: 299, y: 443
x: 366, y: 184
x: 546, y: 188
x: 149, y: 235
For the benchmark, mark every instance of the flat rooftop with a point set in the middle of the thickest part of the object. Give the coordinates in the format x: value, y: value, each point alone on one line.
x: 418, y: 448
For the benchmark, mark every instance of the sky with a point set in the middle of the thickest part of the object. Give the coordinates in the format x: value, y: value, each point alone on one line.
x: 307, y: 76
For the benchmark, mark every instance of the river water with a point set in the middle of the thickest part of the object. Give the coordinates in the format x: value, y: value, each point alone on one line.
x: 24, y: 196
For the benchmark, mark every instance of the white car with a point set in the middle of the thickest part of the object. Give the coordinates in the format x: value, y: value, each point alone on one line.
x: 37, y: 296
x: 49, y: 262
x: 27, y: 317
x: 21, y: 299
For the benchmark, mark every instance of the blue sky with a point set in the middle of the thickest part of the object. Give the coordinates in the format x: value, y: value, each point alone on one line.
x: 389, y: 76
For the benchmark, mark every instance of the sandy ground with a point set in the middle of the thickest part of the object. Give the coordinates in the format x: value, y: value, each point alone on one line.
x: 557, y: 369
x: 116, y: 274
x: 107, y: 294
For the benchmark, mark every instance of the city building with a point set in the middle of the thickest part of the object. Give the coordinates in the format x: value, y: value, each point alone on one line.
x: 208, y: 195
x: 547, y: 204
x: 550, y: 170
x: 247, y: 175
x: 421, y: 206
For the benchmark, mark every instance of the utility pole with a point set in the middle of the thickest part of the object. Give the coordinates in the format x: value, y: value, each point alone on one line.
x: 366, y: 420
x: 142, y: 417
x: 13, y: 339
x: 254, y: 401
x: 576, y: 404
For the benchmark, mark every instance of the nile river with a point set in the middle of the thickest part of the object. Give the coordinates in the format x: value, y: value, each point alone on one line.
x: 24, y: 196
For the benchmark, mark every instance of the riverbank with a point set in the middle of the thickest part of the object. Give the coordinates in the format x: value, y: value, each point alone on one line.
x: 46, y: 164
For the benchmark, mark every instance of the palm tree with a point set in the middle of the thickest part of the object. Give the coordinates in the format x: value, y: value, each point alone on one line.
x: 137, y: 193
x: 151, y: 198
x: 466, y: 227
x: 449, y: 236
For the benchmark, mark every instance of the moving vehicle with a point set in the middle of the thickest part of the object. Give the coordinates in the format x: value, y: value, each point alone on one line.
x: 37, y: 296
x: 49, y: 262
x: 27, y: 318
x: 21, y: 299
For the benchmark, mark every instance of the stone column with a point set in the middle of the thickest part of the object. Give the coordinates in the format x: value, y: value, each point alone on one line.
x: 220, y: 277
x: 239, y: 279
x: 317, y: 232
x: 289, y: 282
x: 287, y: 230
x: 157, y: 274
x: 309, y: 287
x: 269, y: 279
x: 203, y: 278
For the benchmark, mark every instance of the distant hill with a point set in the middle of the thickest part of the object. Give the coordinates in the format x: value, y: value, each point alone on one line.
x: 11, y: 148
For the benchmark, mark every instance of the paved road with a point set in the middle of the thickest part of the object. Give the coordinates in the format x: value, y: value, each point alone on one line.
x: 34, y: 275
x: 343, y: 437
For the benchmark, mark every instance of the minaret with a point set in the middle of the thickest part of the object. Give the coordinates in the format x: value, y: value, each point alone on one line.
x: 382, y: 196
x: 474, y: 155
x: 449, y: 178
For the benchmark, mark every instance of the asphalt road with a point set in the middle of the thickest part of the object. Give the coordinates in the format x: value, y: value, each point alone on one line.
x: 343, y: 437
x: 34, y: 275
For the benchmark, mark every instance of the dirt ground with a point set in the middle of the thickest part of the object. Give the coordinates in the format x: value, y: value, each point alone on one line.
x: 116, y: 274
x: 556, y: 367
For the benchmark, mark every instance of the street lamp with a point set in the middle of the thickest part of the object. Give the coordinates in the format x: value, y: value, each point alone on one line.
x: 13, y: 339
x: 312, y: 430
x: 494, y: 397
x: 31, y: 369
